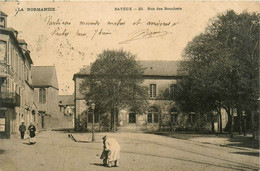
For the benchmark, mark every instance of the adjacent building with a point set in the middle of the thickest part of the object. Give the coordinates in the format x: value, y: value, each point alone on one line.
x: 16, y: 91
x: 66, y: 104
x: 45, y: 84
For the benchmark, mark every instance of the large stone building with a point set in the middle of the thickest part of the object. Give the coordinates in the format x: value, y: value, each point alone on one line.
x: 159, y: 77
x: 16, y: 91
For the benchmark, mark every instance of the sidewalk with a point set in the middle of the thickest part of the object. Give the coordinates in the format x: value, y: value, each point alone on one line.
x: 242, y: 143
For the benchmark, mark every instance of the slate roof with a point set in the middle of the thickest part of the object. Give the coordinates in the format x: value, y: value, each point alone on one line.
x: 65, y: 100
x: 152, y: 68
x: 44, y: 76
x: 160, y: 68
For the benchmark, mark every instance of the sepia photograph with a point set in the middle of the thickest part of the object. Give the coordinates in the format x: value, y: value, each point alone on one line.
x: 129, y: 85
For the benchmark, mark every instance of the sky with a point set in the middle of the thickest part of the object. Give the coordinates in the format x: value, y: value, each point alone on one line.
x: 70, y: 35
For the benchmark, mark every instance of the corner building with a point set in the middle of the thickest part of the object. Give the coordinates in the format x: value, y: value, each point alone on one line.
x: 16, y: 92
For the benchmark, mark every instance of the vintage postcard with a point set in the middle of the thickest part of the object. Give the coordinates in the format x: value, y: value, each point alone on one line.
x: 49, y: 51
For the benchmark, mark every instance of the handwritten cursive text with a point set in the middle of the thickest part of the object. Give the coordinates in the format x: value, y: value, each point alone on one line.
x: 144, y: 34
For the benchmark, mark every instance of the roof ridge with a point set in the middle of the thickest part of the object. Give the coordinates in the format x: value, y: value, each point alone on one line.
x: 152, y: 67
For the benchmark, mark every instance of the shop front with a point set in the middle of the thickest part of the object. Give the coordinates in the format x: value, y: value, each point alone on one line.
x: 4, y: 126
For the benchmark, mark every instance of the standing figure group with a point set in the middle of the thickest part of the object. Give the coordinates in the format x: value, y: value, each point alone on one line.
x: 111, y: 152
x: 31, y: 132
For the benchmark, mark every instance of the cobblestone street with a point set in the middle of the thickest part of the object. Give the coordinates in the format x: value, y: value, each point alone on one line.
x: 54, y: 150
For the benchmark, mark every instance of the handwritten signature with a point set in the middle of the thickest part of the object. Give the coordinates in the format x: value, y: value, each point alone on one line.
x: 144, y: 34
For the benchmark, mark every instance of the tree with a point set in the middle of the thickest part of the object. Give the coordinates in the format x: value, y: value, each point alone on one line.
x: 223, y: 65
x: 115, y: 83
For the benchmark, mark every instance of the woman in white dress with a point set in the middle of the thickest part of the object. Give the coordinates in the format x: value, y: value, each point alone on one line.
x: 111, y: 151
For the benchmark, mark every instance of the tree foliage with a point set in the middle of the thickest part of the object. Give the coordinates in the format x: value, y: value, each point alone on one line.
x: 222, y: 65
x: 115, y: 82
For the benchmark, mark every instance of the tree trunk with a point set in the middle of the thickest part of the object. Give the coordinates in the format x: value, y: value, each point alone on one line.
x: 86, y: 121
x: 229, y: 123
x: 244, y: 118
x: 239, y: 115
x: 160, y: 124
x: 99, y: 122
x: 84, y: 125
x: 117, y: 119
x: 220, y: 122
x: 252, y: 124
x: 114, y: 122
x: 212, y: 126
x: 232, y: 124
x: 212, y: 122
x: 113, y: 119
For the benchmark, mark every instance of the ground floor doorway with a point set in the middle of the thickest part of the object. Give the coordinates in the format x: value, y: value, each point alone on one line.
x: 132, y: 117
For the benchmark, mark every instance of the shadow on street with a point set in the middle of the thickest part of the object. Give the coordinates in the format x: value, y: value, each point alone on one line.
x: 256, y: 154
x: 237, y: 141
x: 189, y: 135
x: 97, y: 164
x: 245, y: 142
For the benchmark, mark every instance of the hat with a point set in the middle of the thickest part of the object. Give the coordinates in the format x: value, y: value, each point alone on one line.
x: 104, y: 137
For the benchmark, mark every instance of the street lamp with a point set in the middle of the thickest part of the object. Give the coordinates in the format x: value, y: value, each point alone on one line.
x: 93, y: 108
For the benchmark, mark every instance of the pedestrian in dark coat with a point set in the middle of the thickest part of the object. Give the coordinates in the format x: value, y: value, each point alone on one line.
x: 32, y: 129
x: 22, y: 129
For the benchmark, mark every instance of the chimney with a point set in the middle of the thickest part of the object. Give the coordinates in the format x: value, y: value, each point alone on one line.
x: 23, y: 44
x: 15, y: 33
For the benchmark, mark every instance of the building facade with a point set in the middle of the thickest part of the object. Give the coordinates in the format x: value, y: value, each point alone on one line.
x: 45, y: 84
x: 160, y: 77
x: 66, y: 104
x: 16, y: 91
